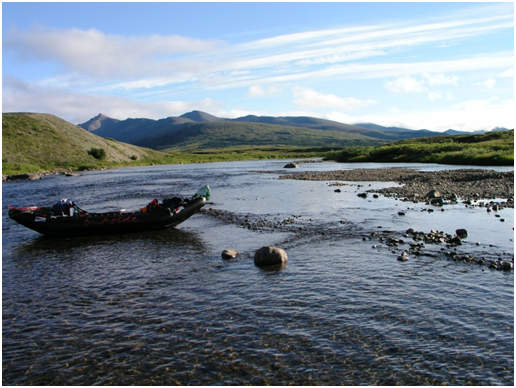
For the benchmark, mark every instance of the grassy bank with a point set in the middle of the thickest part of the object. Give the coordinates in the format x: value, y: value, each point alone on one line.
x: 494, y: 148
x: 33, y: 142
x: 247, y: 153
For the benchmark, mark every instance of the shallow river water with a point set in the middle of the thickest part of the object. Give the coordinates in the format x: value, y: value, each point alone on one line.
x: 165, y: 308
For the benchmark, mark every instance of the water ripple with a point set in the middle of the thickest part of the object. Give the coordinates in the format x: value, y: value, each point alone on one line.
x: 164, y: 309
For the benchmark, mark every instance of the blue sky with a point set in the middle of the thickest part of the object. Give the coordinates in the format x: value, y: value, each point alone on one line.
x: 418, y: 65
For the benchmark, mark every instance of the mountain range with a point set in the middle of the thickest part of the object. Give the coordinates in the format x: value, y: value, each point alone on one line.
x: 196, y: 129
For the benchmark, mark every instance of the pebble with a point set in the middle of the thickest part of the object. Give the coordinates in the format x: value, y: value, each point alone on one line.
x: 403, y: 256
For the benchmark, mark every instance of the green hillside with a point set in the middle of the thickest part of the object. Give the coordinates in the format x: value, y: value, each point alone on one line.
x: 198, y: 130
x: 201, y: 130
x: 493, y: 148
x: 234, y: 134
x: 34, y: 142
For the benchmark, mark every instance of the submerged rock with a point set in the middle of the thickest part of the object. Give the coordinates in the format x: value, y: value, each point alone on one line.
x: 30, y: 177
x: 403, y: 256
x: 230, y: 253
x: 267, y: 256
x: 461, y: 233
x: 437, y: 201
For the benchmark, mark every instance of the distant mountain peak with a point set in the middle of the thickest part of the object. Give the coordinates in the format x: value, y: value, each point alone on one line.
x: 199, y: 116
x: 97, y: 122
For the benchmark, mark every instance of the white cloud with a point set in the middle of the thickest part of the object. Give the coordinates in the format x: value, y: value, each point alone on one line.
x: 468, y: 115
x: 405, y: 85
x: 488, y: 83
x: 96, y: 53
x: 425, y: 83
x: 309, y: 98
x: 262, y: 91
x: 75, y: 107
x: 440, y: 79
x: 130, y: 59
x: 377, y: 70
x: 99, y: 63
x: 509, y: 73
x: 436, y: 95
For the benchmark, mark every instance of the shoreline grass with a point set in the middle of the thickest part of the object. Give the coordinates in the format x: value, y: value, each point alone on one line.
x: 174, y: 157
x: 490, y: 149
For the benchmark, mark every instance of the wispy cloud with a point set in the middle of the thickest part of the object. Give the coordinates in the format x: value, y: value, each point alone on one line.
x: 309, y: 98
x: 405, y: 84
x: 488, y: 83
x: 128, y: 60
x: 96, y: 53
x: 93, y: 69
x: 493, y: 61
x: 424, y: 83
x: 78, y: 107
x: 262, y: 91
x: 480, y: 114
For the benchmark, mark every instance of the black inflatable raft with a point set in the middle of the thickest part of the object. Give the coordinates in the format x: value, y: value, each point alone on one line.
x: 74, y: 221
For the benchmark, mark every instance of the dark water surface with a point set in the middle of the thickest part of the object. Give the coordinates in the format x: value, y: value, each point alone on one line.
x: 164, y: 308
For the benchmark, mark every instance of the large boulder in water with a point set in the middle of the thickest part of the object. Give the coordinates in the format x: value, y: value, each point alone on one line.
x: 290, y: 165
x: 267, y: 256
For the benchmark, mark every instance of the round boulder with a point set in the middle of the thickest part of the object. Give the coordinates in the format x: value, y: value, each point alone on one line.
x: 404, y: 256
x: 229, y: 254
x: 461, y: 233
x: 267, y: 256
x: 290, y: 165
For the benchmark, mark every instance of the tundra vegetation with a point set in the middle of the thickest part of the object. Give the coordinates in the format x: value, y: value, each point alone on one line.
x: 34, y: 142
x: 489, y: 149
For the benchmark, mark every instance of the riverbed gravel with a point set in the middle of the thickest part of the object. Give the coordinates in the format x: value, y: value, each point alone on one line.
x: 451, y: 185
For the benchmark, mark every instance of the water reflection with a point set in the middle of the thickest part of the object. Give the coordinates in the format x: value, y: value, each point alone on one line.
x: 171, y: 238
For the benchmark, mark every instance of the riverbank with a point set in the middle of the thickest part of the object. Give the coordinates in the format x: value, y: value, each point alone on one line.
x: 487, y: 189
x: 488, y: 149
x: 173, y: 157
x: 424, y: 186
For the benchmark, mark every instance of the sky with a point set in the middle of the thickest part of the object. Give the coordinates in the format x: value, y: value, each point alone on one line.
x: 417, y: 65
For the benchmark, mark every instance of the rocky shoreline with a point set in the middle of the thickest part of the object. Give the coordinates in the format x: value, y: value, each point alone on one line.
x: 449, y: 185
x: 482, y: 188
x: 403, y: 245
x: 37, y: 175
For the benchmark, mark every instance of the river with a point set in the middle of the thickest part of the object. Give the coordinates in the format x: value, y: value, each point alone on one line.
x: 164, y: 308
